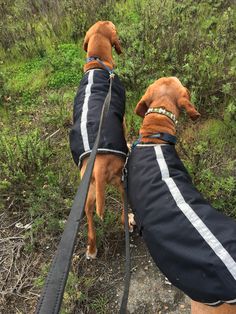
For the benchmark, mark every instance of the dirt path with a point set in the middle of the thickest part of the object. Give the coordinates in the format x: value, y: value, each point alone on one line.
x: 150, y: 291
x: 96, y: 287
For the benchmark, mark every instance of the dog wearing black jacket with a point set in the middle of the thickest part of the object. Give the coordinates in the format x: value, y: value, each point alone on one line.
x: 112, y: 150
x: 191, y: 243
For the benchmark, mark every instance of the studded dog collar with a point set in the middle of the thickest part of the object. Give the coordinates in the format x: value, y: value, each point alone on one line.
x: 163, y: 112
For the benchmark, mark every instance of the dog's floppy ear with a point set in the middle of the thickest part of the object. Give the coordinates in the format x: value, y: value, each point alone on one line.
x: 141, y: 108
x: 86, y: 40
x: 116, y: 42
x: 144, y: 103
x: 117, y: 47
x: 184, y: 102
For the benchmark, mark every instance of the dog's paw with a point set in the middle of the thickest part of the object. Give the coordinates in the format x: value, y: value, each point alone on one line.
x: 132, y: 222
x: 90, y: 256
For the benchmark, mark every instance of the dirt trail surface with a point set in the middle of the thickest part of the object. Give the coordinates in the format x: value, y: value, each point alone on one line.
x: 96, y: 286
x: 150, y: 291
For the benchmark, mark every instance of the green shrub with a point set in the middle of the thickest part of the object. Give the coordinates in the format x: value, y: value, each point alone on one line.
x: 22, y: 154
x: 210, y: 149
x: 66, y: 62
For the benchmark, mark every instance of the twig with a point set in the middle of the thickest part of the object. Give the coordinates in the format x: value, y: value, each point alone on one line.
x: 54, y: 133
x: 139, y: 256
x: 2, y: 214
x: 12, y: 202
x: 10, y: 238
x: 112, y: 198
x: 12, y: 223
x: 10, y: 268
x: 35, y: 294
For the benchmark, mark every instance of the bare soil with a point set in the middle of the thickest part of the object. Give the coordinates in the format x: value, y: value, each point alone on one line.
x: 98, y: 287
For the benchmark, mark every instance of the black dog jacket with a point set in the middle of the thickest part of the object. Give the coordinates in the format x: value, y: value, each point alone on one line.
x: 193, y: 244
x: 86, y: 116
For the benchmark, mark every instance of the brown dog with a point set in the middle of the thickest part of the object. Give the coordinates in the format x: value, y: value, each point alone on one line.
x: 170, y: 94
x: 99, y: 40
x: 98, y: 43
x: 160, y: 107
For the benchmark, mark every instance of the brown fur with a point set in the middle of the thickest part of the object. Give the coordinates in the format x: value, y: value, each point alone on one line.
x: 169, y: 93
x: 199, y: 308
x: 99, y: 40
x: 107, y: 170
x: 108, y: 167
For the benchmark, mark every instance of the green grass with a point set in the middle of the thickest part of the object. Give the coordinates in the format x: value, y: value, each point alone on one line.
x: 41, y: 66
x: 37, y: 96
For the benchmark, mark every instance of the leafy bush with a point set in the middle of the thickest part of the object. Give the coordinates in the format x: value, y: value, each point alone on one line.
x: 209, y: 148
x: 22, y: 154
x: 66, y: 64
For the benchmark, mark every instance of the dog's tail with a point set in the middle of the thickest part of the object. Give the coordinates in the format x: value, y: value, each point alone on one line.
x: 100, y: 196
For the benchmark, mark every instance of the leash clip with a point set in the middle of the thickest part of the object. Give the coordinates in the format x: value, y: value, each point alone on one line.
x: 124, y: 174
x: 112, y: 75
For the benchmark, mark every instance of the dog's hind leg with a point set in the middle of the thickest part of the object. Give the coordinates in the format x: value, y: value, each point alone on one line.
x: 91, y: 252
x: 100, y: 183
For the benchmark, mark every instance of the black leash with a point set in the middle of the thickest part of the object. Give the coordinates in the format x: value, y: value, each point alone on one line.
x: 124, y: 301
x: 51, y: 297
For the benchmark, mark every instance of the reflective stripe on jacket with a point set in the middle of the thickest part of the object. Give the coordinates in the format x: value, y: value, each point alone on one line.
x: 193, y: 244
x: 86, y: 116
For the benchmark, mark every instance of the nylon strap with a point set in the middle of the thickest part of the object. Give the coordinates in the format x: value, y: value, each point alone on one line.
x: 171, y: 139
x: 164, y: 136
x: 124, y: 302
x: 95, y: 58
x: 51, y: 297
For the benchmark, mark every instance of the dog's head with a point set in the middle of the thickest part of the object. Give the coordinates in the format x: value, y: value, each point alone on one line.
x: 167, y: 90
x: 108, y: 30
